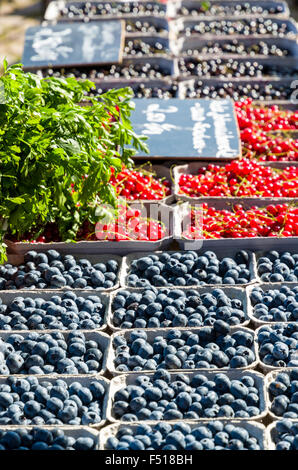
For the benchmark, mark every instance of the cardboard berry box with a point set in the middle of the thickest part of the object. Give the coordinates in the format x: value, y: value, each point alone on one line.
x: 268, y: 379
x: 85, y: 381
x: 271, y: 435
x: 121, y: 381
x: 255, y: 429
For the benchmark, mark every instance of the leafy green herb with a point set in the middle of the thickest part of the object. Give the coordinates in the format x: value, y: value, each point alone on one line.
x: 49, y: 141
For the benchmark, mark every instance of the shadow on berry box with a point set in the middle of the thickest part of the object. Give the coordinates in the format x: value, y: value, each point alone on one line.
x: 96, y: 250
x: 219, y: 251
x: 255, y: 429
x: 193, y: 168
x: 269, y: 378
x: 182, y: 221
x: 71, y: 431
x: 231, y: 292
x: 185, y: 44
x: 102, y: 339
x: 7, y: 297
x: 85, y: 381
x: 281, y: 8
x: 271, y: 435
x: 163, y: 332
x: 117, y: 383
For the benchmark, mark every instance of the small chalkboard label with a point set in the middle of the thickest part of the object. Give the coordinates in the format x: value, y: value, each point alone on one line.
x: 188, y: 129
x: 71, y: 44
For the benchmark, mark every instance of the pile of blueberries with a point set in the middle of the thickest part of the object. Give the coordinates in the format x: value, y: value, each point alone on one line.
x: 162, y: 397
x: 139, y: 47
x: 148, y: 26
x: 278, y: 345
x: 60, y: 312
x: 52, y: 270
x: 216, y: 9
x: 36, y: 353
x: 278, y: 267
x: 210, y: 347
x: 215, y: 435
x: 31, y: 401
x: 262, y: 91
x: 242, y: 48
x: 243, y: 26
x: 283, y: 393
x: 275, y: 305
x: 228, y: 68
x: 143, y: 90
x: 286, y: 435
x: 162, y: 308
x: 189, y: 269
x: 86, y: 10
x: 43, y: 439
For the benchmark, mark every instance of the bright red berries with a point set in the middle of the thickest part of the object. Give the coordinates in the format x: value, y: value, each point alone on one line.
x: 240, y: 178
x: 279, y: 220
x: 140, y: 185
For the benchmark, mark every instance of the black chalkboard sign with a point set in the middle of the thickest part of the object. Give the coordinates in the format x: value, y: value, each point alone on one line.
x: 196, y: 129
x: 72, y: 44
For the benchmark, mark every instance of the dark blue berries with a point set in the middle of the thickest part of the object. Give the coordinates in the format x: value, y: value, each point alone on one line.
x: 284, y: 434
x: 214, y: 435
x: 52, y: 270
x: 275, y: 305
x: 152, y: 308
x: 278, y: 344
x: 189, y: 269
x: 283, y: 394
x: 188, y: 396
x: 55, y: 401
x: 46, y: 439
x: 208, y: 347
x: 278, y: 267
x: 60, y: 312
x: 73, y: 353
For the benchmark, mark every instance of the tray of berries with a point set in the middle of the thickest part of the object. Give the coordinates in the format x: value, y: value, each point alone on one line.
x: 162, y: 89
x: 247, y: 223
x: 44, y: 268
x: 226, y: 8
x: 221, y: 347
x: 166, y: 307
x: 165, y: 396
x: 240, y: 46
x: 146, y: 25
x: 280, y: 116
x: 53, y: 353
x: 236, y: 88
x: 230, y: 25
x: 140, y: 46
x: 277, y: 266
x: 138, y: 227
x: 277, y: 346
x: 85, y: 11
x: 145, y: 184
x: 184, y: 435
x: 281, y: 388
x: 268, y: 303
x: 56, y: 438
x: 233, y: 66
x: 240, y: 178
x: 282, y: 435
x: 70, y: 310
x: 51, y: 401
x: 228, y: 266
x: 133, y: 68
